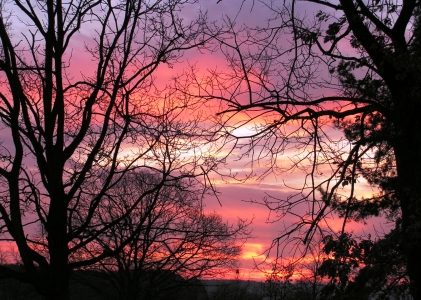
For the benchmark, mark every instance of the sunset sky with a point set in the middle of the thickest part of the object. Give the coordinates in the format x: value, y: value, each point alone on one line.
x: 236, y: 197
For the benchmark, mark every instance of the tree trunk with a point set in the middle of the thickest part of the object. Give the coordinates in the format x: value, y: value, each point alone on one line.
x: 53, y: 285
x: 57, y: 293
x: 58, y: 278
x: 58, y: 273
x: 407, y: 147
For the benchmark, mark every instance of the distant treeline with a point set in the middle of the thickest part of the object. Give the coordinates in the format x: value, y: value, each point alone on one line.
x: 167, y: 285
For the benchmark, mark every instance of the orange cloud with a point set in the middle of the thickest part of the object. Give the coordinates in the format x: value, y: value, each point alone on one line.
x: 253, y: 251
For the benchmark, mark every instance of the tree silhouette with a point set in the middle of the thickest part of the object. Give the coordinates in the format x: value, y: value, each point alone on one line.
x: 364, y: 268
x: 80, y: 109
x: 172, y: 236
x: 355, y: 67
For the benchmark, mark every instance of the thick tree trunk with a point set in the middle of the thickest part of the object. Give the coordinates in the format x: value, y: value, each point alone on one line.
x: 57, y: 293
x: 407, y: 147
x: 52, y: 285
x: 58, y: 278
x: 58, y: 273
x: 410, y: 194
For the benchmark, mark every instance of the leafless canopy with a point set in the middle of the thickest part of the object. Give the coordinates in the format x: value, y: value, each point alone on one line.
x: 83, y: 107
x: 172, y: 235
x: 312, y: 72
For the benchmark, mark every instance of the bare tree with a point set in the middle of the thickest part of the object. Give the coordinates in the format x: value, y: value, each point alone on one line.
x: 279, y: 282
x: 80, y: 109
x: 353, y: 67
x: 172, y: 236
